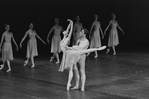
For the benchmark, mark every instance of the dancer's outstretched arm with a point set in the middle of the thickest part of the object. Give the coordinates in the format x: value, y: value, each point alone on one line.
x: 1, y: 41
x: 92, y: 50
x: 101, y: 31
x: 14, y: 42
x: 71, y: 25
x: 49, y: 34
x: 23, y: 38
x: 91, y: 30
x: 40, y: 38
x: 120, y: 28
x: 107, y: 28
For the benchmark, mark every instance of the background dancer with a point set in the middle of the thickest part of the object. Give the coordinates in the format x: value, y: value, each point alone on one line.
x: 7, y: 53
x: 32, y: 50
x: 113, y: 35
x: 55, y: 45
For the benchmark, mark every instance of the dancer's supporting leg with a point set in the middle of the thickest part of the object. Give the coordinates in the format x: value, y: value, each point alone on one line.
x: 93, y: 49
x: 57, y: 57
x: 70, y: 76
x: 32, y: 60
x: 9, y: 68
x: 77, y: 77
x: 82, y: 71
x: 96, y: 54
x: 113, y: 47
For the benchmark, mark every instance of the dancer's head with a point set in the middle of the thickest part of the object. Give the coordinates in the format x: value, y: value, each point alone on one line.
x: 56, y: 20
x: 7, y: 27
x: 31, y: 26
x: 77, y: 18
x: 113, y: 15
x: 95, y: 17
x: 83, y: 33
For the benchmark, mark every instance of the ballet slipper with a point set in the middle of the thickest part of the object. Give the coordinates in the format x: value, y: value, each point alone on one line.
x: 75, y: 88
x: 8, y: 70
x: 32, y: 66
x: 57, y: 62
x: 114, y: 53
x: 107, y: 51
x: 96, y: 56
x: 1, y: 67
x: 68, y: 87
x: 82, y: 89
x: 25, y: 63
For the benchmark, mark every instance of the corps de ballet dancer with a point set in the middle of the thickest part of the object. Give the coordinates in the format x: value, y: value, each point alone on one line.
x: 113, y: 35
x: 94, y: 35
x: 7, y: 53
x: 32, y: 50
x: 55, y: 44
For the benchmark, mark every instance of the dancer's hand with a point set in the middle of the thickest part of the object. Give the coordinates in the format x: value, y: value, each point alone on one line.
x: 70, y: 21
x: 48, y: 41
x: 20, y: 45
x: 17, y: 49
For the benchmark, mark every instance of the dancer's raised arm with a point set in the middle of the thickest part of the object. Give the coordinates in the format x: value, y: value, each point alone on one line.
x: 71, y: 25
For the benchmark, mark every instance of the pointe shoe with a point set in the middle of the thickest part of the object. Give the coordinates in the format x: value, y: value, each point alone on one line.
x: 82, y: 89
x: 25, y: 63
x: 57, y: 62
x: 95, y: 56
x: 32, y: 66
x: 8, y: 70
x: 51, y: 59
x: 68, y: 87
x: 75, y: 88
x: 114, y: 53
x: 107, y: 51
x: 1, y: 67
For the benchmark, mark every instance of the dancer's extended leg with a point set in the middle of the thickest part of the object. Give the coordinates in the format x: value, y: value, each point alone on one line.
x: 93, y: 49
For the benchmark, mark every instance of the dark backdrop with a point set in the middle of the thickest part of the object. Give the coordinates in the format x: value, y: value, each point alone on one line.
x: 132, y: 15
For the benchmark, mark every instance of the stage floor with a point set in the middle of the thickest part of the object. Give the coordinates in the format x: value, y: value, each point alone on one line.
x: 123, y: 76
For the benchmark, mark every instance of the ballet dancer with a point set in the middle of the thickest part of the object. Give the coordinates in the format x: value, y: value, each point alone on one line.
x: 55, y: 45
x: 7, y: 53
x: 94, y: 35
x: 76, y: 30
x: 32, y: 50
x: 71, y: 55
x: 113, y: 35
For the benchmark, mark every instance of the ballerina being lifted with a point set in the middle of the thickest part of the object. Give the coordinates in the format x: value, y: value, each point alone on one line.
x: 71, y: 55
